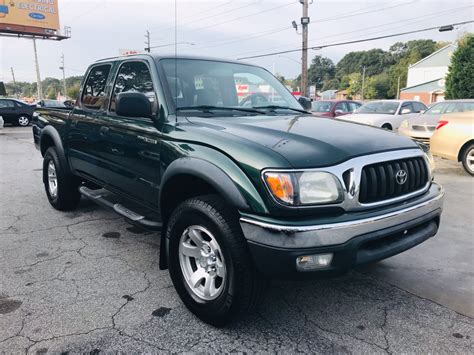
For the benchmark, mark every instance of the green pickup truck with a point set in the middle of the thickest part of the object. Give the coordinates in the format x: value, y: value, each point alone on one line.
x: 244, y: 184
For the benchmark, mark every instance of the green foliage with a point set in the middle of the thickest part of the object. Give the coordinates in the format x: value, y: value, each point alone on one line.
x: 459, y: 81
x: 354, y: 84
x: 375, y: 61
x: 377, y: 86
x: 51, y: 87
x: 321, y: 69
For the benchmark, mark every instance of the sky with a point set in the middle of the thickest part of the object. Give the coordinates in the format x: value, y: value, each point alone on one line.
x: 227, y: 29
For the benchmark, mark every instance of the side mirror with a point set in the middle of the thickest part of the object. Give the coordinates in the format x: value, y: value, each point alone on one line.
x: 305, y: 103
x: 405, y: 111
x: 422, y: 111
x: 338, y: 112
x: 133, y: 104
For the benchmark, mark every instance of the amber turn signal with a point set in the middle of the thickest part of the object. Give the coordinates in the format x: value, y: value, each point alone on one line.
x: 280, y: 186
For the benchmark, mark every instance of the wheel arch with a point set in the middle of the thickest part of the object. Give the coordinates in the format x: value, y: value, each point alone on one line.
x: 190, y: 177
x: 50, y: 138
x: 464, y: 146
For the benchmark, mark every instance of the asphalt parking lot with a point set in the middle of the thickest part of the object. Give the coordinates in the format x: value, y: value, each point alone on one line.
x: 87, y: 281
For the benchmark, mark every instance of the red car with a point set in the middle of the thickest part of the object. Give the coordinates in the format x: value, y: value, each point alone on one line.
x: 334, y: 108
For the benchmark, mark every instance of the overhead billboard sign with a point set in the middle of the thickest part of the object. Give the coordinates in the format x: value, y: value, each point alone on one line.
x: 30, y: 13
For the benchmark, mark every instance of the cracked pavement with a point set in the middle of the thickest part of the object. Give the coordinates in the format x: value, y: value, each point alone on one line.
x: 89, y: 282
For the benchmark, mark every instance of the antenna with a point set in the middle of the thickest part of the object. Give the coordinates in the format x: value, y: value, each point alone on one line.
x: 176, y: 57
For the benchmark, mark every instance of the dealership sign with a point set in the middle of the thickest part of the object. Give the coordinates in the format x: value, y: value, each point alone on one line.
x: 30, y: 13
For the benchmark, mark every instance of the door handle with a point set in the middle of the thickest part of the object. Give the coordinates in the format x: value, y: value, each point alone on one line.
x: 104, y: 130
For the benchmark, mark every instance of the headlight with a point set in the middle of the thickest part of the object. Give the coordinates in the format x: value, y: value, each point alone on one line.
x: 429, y: 157
x: 36, y: 114
x: 304, y: 188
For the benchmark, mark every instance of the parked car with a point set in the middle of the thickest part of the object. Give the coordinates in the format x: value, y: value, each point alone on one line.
x: 334, y: 108
x: 453, y: 139
x: 387, y: 114
x: 53, y: 104
x: 242, y: 194
x: 16, y: 112
x: 422, y: 127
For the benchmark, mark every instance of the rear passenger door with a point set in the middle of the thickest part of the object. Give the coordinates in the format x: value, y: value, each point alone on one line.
x: 341, y: 109
x: 7, y: 110
x: 84, y: 140
x: 131, y: 145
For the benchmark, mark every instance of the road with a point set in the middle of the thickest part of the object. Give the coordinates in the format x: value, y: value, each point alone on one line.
x: 87, y: 281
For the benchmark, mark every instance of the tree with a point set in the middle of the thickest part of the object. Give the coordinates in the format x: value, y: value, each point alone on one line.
x: 377, y: 86
x: 375, y: 61
x: 353, y: 84
x: 459, y: 81
x: 321, y: 69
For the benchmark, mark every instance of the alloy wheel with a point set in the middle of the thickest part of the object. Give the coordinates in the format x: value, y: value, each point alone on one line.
x: 52, y: 180
x: 23, y: 121
x: 202, y: 263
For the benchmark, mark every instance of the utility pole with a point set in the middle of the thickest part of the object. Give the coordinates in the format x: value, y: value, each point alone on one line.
x: 148, y: 42
x: 398, y: 87
x: 38, y: 77
x: 304, y: 55
x: 64, y: 74
x: 14, y: 83
x: 363, y: 83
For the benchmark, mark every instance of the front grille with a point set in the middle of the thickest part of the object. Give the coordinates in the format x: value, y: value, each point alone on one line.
x: 379, y: 181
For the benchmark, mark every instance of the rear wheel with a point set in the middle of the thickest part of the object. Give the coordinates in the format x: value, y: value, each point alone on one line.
x: 209, y: 261
x: 23, y: 121
x: 467, y: 159
x: 61, y: 187
x: 387, y: 126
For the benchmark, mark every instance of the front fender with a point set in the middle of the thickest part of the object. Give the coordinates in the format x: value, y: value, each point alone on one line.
x: 227, y: 179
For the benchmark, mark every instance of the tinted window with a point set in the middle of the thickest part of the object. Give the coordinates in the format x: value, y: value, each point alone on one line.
x: 353, y: 106
x: 93, y: 95
x: 406, y: 106
x: 418, y: 106
x: 134, y: 77
x: 342, y: 107
x: 321, y: 106
x: 6, y: 104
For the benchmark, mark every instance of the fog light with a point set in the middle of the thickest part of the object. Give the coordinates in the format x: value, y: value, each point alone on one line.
x: 310, y: 262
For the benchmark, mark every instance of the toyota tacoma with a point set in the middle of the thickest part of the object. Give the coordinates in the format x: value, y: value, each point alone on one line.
x: 243, y: 182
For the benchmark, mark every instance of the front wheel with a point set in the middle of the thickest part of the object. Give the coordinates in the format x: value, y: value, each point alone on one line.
x: 387, y: 126
x: 61, y: 187
x: 209, y: 261
x: 23, y: 121
x: 467, y: 159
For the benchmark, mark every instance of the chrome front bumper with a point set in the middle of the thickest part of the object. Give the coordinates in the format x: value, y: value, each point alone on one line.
x: 329, y: 234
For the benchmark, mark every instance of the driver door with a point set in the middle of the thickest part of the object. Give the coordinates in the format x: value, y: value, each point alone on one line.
x: 131, y: 145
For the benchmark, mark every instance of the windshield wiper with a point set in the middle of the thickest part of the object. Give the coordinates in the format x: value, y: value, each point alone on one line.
x: 276, y: 107
x: 209, y: 108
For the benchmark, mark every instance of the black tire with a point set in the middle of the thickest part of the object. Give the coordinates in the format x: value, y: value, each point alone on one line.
x: 23, y: 121
x: 67, y: 195
x: 469, y: 150
x: 244, y: 287
x: 387, y: 126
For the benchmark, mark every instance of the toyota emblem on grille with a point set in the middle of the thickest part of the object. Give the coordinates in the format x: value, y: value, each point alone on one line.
x: 401, y: 177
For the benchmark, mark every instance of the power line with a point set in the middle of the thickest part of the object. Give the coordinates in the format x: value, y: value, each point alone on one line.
x: 418, y: 18
x: 270, y: 32
x: 241, y: 17
x: 278, y: 30
x: 204, y: 18
x: 356, y: 41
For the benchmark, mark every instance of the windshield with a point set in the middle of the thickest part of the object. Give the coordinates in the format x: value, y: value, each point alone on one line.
x: 321, y: 106
x: 384, y: 107
x: 197, y: 84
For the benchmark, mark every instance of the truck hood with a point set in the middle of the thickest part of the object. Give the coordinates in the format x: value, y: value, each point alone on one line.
x: 304, y: 141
